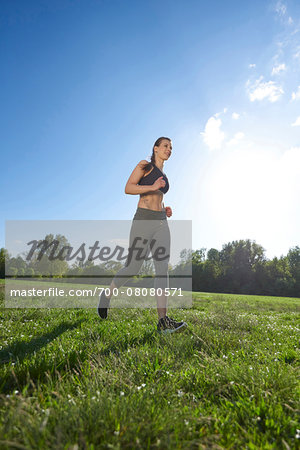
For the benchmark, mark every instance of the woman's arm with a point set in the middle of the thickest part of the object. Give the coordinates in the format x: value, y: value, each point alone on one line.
x: 132, y: 187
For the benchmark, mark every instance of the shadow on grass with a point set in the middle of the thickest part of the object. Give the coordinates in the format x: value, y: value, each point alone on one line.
x: 24, y: 375
x: 27, y: 374
x: 20, y: 349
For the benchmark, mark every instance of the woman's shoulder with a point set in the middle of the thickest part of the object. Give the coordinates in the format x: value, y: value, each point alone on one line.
x: 143, y: 162
x: 146, y: 167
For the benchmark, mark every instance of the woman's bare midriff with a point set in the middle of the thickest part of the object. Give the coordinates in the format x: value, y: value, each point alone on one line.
x: 152, y: 201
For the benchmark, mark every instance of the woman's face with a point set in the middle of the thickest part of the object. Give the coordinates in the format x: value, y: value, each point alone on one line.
x: 164, y: 149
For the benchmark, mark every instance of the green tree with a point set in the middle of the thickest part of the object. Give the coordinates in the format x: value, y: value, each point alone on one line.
x: 278, y: 273
x: 198, y: 256
x: 4, y: 256
x: 293, y: 258
x: 213, y: 255
x: 48, y: 258
x: 238, y: 260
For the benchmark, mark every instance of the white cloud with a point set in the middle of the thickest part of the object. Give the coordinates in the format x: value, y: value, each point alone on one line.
x: 261, y: 90
x: 296, y: 55
x: 296, y: 95
x: 278, y: 68
x: 295, y: 31
x: 221, y: 112
x: 296, y: 123
x: 236, y: 139
x: 213, y: 136
x: 280, y: 8
x: 252, y: 66
x: 235, y: 115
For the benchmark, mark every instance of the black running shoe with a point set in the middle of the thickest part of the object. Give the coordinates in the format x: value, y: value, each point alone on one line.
x: 168, y: 325
x: 103, y: 305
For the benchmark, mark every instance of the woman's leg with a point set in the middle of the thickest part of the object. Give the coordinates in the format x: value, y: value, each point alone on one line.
x: 140, y: 236
x: 163, y: 240
x: 161, y: 257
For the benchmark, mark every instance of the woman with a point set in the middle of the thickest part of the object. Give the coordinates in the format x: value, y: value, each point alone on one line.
x: 150, y: 182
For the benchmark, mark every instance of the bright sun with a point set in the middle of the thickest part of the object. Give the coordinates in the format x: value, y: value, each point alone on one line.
x: 252, y: 194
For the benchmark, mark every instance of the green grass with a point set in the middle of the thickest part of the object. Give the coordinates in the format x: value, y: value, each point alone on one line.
x: 71, y: 381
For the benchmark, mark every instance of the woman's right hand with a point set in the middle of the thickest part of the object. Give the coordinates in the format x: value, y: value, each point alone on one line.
x: 160, y: 182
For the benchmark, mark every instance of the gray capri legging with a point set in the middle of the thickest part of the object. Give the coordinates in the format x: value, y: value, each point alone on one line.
x: 149, y: 232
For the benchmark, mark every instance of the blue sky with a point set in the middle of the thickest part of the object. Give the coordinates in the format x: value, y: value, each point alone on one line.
x: 88, y: 86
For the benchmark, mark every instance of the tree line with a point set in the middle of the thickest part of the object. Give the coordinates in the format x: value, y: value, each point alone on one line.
x: 241, y: 267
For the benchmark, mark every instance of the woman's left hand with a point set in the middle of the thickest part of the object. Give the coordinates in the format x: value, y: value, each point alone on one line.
x: 168, y: 211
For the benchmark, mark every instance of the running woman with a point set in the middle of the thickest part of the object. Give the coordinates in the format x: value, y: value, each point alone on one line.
x: 150, y: 182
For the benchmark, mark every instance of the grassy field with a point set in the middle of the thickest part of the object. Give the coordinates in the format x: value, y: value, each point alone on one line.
x: 71, y: 381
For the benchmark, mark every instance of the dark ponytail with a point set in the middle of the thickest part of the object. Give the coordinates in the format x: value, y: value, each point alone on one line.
x: 147, y: 166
